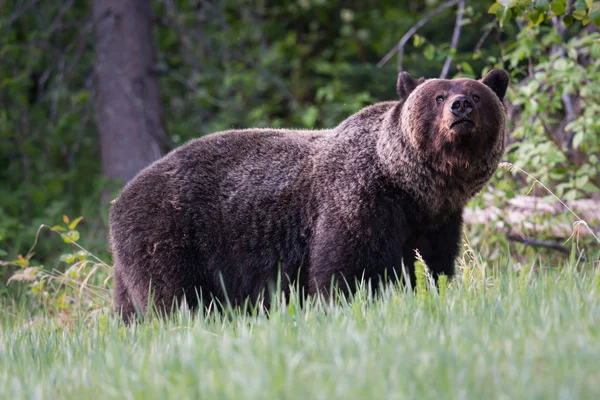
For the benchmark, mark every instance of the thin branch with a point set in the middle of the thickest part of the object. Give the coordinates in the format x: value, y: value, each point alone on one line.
x: 19, y: 12
x: 26, y: 160
x: 399, y: 48
x: 559, y: 51
x: 188, y: 83
x: 545, y: 244
x: 234, y: 53
x: 483, y: 37
x: 455, y: 38
x: 285, y: 92
x: 570, y: 116
x: 57, y: 22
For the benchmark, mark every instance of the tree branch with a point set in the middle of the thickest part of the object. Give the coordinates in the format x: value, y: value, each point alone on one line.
x: 399, y: 48
x: 57, y: 21
x: 566, y: 98
x: 234, y: 53
x: 455, y: 38
x: 19, y: 12
x: 544, y: 243
x: 483, y: 37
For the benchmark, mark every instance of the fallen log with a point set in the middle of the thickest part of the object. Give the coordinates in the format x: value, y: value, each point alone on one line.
x: 531, y: 216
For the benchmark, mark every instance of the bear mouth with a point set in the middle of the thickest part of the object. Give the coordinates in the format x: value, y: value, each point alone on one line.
x: 463, y: 125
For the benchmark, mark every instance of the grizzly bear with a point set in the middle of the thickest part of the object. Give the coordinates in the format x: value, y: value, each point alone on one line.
x: 225, y: 216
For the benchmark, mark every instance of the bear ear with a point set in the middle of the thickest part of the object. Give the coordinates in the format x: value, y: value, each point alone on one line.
x: 406, y: 84
x: 497, y: 80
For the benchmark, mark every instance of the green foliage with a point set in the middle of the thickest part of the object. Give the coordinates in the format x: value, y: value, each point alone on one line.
x: 558, y: 149
x: 552, y: 107
x: 49, y: 162
x: 303, y: 64
x: 79, y: 290
x: 537, y: 11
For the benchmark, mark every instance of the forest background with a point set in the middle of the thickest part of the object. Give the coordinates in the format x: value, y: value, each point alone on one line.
x: 93, y: 91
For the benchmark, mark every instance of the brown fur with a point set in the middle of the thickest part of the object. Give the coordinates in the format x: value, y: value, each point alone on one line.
x: 222, y: 216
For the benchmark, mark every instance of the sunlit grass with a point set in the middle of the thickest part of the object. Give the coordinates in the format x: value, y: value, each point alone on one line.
x: 494, y: 333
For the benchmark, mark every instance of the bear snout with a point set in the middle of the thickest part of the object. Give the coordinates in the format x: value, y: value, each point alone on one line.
x: 461, y: 114
x: 461, y: 107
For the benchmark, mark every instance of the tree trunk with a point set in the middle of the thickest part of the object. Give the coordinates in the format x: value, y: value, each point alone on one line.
x: 128, y: 109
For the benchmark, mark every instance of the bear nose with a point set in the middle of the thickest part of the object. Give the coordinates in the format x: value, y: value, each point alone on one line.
x: 461, y: 107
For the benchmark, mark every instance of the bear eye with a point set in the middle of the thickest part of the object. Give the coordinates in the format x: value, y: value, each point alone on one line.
x: 439, y: 99
x: 475, y: 97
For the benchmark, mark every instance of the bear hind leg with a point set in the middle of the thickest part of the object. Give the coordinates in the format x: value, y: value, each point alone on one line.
x: 123, y: 303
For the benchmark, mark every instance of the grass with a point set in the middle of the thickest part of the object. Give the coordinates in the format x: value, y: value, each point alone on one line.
x: 494, y: 333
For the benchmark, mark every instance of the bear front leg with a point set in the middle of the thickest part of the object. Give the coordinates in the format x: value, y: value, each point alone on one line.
x: 334, y: 262
x: 439, y: 248
x: 344, y: 256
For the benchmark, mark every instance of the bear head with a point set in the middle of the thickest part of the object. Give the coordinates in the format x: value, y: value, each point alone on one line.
x: 455, y: 124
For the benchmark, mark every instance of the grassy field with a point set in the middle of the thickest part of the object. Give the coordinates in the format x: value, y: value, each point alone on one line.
x: 528, y: 334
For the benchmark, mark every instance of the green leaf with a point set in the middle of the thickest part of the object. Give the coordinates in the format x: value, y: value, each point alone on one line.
x: 590, y: 187
x: 68, y: 258
x: 81, y: 97
x: 578, y: 139
x: 570, y: 195
x: 536, y: 17
x: 595, y: 17
x: 493, y: 8
x: 82, y: 255
x: 568, y: 20
x: 558, y: 7
x: 3, y: 253
x: 503, y: 15
x: 429, y: 52
x: 542, y: 5
x: 310, y: 116
x: 581, y: 180
x: 579, y: 14
x: 467, y: 68
x: 23, y: 262
x: 74, y: 223
x: 58, y: 228
x: 71, y: 236
x: 418, y: 40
